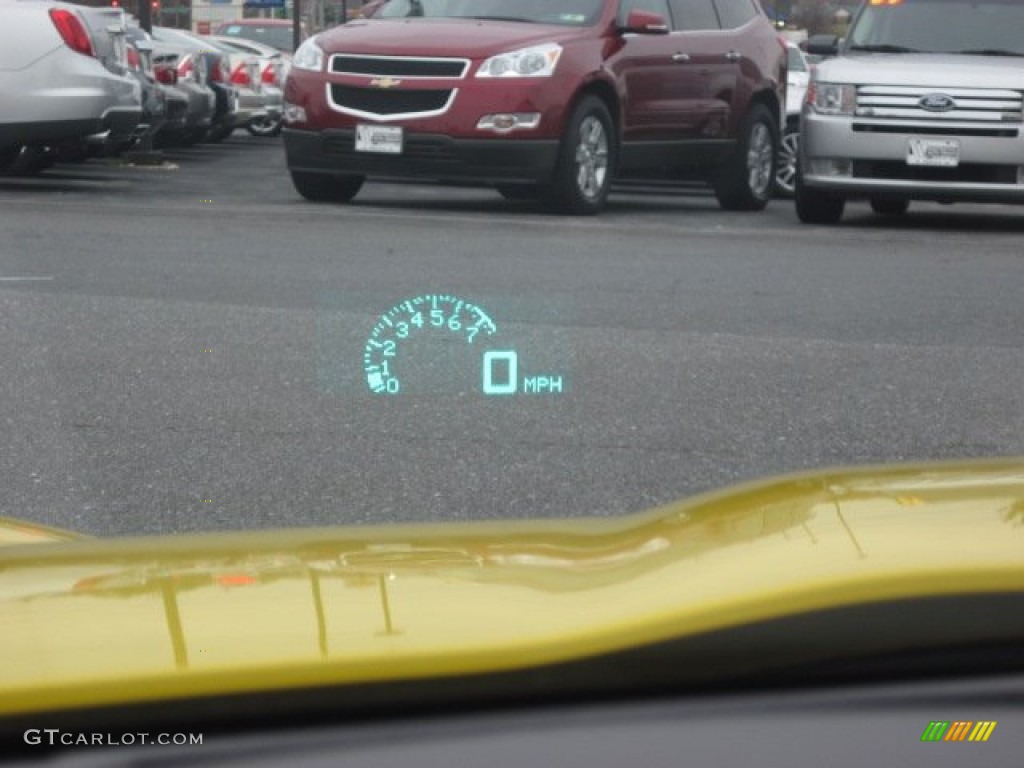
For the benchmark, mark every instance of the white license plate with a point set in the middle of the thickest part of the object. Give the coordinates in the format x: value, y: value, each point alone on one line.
x: 944, y: 153
x: 385, y: 139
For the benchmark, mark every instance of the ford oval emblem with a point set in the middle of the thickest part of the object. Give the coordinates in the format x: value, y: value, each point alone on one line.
x: 937, y: 102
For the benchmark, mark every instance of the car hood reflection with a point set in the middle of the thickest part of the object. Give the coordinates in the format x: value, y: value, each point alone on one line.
x: 95, y: 621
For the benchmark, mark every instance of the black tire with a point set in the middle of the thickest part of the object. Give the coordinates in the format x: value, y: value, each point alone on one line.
x: 890, y: 207
x: 266, y: 128
x: 519, y: 192
x: 7, y: 157
x: 816, y: 206
x: 785, y: 165
x: 218, y: 133
x: 164, y: 140
x: 192, y: 137
x: 746, y: 180
x: 326, y: 188
x: 586, y: 160
x: 32, y: 160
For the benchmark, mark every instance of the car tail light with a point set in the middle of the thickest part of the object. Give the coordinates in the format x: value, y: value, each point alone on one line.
x: 241, y: 75
x: 166, y: 75
x: 269, y: 76
x: 221, y: 73
x: 134, y: 61
x: 72, y: 30
x: 185, y: 67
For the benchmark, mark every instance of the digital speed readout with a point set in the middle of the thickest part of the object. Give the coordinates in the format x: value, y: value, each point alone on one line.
x: 442, y: 317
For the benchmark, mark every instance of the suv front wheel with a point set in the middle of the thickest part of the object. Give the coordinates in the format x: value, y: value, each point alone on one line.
x: 745, y: 182
x: 585, y: 160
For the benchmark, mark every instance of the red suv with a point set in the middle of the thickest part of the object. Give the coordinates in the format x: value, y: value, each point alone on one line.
x: 549, y: 99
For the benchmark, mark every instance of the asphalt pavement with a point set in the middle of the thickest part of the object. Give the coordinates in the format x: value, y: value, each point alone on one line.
x: 183, y: 348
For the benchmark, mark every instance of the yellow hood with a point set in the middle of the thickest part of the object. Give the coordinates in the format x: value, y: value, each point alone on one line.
x: 90, y: 622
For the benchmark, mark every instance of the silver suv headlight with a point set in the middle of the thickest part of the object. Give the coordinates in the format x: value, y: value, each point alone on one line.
x: 832, y: 98
x: 309, y: 56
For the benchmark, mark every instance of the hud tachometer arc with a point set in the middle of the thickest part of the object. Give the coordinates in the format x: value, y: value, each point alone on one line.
x: 417, y: 317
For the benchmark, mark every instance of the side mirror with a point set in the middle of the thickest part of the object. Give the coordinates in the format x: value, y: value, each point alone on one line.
x: 645, y: 23
x: 823, y: 45
x: 166, y: 75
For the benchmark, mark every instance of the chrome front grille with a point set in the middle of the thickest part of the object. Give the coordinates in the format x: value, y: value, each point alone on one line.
x: 398, y: 66
x: 985, y: 105
x: 939, y: 129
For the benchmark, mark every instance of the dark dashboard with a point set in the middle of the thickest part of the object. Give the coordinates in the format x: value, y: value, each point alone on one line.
x: 878, y: 725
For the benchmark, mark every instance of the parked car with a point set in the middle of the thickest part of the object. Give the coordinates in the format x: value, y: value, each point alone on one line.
x: 63, y: 77
x: 555, y: 103
x: 174, y: 70
x: 797, y: 77
x: 925, y: 101
x: 234, y: 77
x: 274, y: 67
x: 162, y: 106
x: 277, y: 33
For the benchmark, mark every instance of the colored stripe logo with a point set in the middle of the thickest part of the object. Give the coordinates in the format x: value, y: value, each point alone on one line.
x: 958, y: 730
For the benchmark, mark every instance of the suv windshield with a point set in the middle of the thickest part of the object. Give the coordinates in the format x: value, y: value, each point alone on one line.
x: 990, y: 27
x: 567, y: 12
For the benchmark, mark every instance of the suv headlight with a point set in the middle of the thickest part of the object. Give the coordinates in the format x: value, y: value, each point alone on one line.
x: 832, y: 98
x: 309, y: 56
x: 536, y: 61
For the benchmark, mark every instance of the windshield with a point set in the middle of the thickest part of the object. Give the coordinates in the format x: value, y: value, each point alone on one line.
x: 941, y: 26
x: 562, y: 12
x: 448, y: 303
x: 277, y: 36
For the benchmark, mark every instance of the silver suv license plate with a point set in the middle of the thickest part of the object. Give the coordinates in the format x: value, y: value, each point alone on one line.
x: 385, y: 139
x: 944, y: 153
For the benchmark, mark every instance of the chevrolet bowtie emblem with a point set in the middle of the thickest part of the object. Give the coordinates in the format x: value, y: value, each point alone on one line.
x: 385, y: 82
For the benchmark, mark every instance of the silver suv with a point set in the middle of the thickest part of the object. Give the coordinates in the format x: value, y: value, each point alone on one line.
x: 923, y: 102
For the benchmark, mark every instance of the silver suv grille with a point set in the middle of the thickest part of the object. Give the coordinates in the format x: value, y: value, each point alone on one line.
x: 988, y: 105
